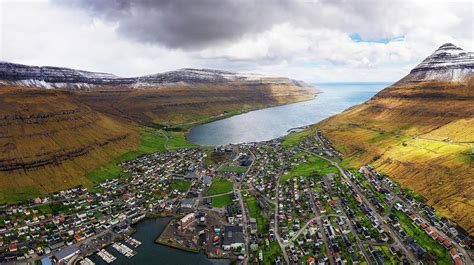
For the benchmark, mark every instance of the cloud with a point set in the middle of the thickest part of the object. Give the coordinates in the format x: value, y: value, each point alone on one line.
x: 309, y: 40
x: 186, y: 24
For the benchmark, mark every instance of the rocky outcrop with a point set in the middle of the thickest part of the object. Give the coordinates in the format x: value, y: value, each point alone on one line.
x: 447, y: 63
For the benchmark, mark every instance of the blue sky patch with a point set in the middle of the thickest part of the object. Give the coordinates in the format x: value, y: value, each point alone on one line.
x: 357, y: 38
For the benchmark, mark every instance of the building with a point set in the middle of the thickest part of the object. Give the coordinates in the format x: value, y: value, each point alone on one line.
x: 65, y: 254
x: 233, y: 237
x: 207, y: 180
x: 186, y: 220
x: 46, y: 261
x: 187, y: 203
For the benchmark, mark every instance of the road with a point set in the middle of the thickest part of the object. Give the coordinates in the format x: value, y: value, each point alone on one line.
x: 275, y: 223
x: 387, y: 228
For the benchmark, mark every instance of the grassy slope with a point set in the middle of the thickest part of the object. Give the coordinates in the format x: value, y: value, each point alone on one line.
x: 72, y: 138
x: 151, y: 140
x: 401, y: 132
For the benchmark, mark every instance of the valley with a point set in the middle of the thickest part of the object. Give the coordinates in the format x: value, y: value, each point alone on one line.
x: 63, y: 127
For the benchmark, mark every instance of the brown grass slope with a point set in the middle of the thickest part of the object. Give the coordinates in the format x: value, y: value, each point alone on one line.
x: 49, y: 142
x: 419, y: 133
x: 187, y: 103
x: 50, y: 139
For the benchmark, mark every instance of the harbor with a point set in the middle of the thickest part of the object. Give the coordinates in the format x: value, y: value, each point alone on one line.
x: 148, y: 251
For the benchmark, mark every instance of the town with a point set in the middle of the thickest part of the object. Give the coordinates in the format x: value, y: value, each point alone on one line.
x: 284, y: 201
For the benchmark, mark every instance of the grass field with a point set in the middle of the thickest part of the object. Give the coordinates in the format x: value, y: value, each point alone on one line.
x: 219, y: 186
x: 237, y: 169
x: 221, y: 201
x: 181, y: 185
x: 439, y: 252
x: 15, y: 194
x: 314, y: 165
x: 295, y: 138
x: 255, y: 212
x: 151, y: 141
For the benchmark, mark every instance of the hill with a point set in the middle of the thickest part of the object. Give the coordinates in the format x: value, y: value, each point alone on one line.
x: 62, y: 127
x: 420, y: 132
x: 48, y: 141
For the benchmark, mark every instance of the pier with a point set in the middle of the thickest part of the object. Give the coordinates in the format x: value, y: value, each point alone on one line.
x: 123, y: 249
x: 106, y: 256
x: 133, y: 242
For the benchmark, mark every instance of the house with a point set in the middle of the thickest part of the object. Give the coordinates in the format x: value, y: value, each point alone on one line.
x: 207, y: 180
x: 190, y: 176
x: 187, y: 203
x: 65, y: 254
x: 233, y: 237
x: 253, y: 225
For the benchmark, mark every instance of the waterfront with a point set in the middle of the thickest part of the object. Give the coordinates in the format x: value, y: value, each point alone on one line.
x: 151, y: 253
x: 270, y: 123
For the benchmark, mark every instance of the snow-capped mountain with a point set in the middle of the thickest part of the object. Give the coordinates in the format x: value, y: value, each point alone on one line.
x: 448, y: 63
x: 66, y: 78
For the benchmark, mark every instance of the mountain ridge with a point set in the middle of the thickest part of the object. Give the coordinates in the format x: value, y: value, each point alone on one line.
x: 420, y: 132
x: 62, y: 77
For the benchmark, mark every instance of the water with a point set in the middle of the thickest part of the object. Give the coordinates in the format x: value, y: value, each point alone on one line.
x: 254, y: 126
x: 270, y: 123
x: 151, y: 253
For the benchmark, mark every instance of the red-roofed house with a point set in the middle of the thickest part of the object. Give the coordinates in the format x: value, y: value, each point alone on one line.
x: 447, y: 244
x: 12, y: 248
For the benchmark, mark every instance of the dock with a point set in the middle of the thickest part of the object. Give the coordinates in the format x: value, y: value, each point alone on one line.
x: 124, y: 250
x: 133, y: 242
x: 106, y: 256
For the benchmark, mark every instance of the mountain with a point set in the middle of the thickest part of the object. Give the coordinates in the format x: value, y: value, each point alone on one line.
x: 67, y: 78
x: 420, y: 132
x: 58, y: 124
x: 447, y: 63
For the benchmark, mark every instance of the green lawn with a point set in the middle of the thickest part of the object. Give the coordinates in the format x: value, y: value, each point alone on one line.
x: 271, y: 252
x: 151, y: 140
x: 256, y: 212
x: 237, y: 169
x: 314, y: 165
x: 181, y: 185
x: 221, y: 201
x: 439, y: 252
x: 388, y: 257
x: 295, y: 138
x: 219, y: 186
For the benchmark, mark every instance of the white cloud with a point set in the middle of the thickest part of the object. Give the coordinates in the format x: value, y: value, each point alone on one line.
x: 312, y: 44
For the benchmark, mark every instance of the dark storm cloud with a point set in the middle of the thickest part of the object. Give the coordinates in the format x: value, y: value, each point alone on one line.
x: 188, y: 23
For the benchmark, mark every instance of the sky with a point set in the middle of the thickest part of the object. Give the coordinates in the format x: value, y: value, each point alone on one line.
x: 310, y: 40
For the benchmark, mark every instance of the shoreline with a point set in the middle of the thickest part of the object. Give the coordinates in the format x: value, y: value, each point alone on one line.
x: 230, y: 115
